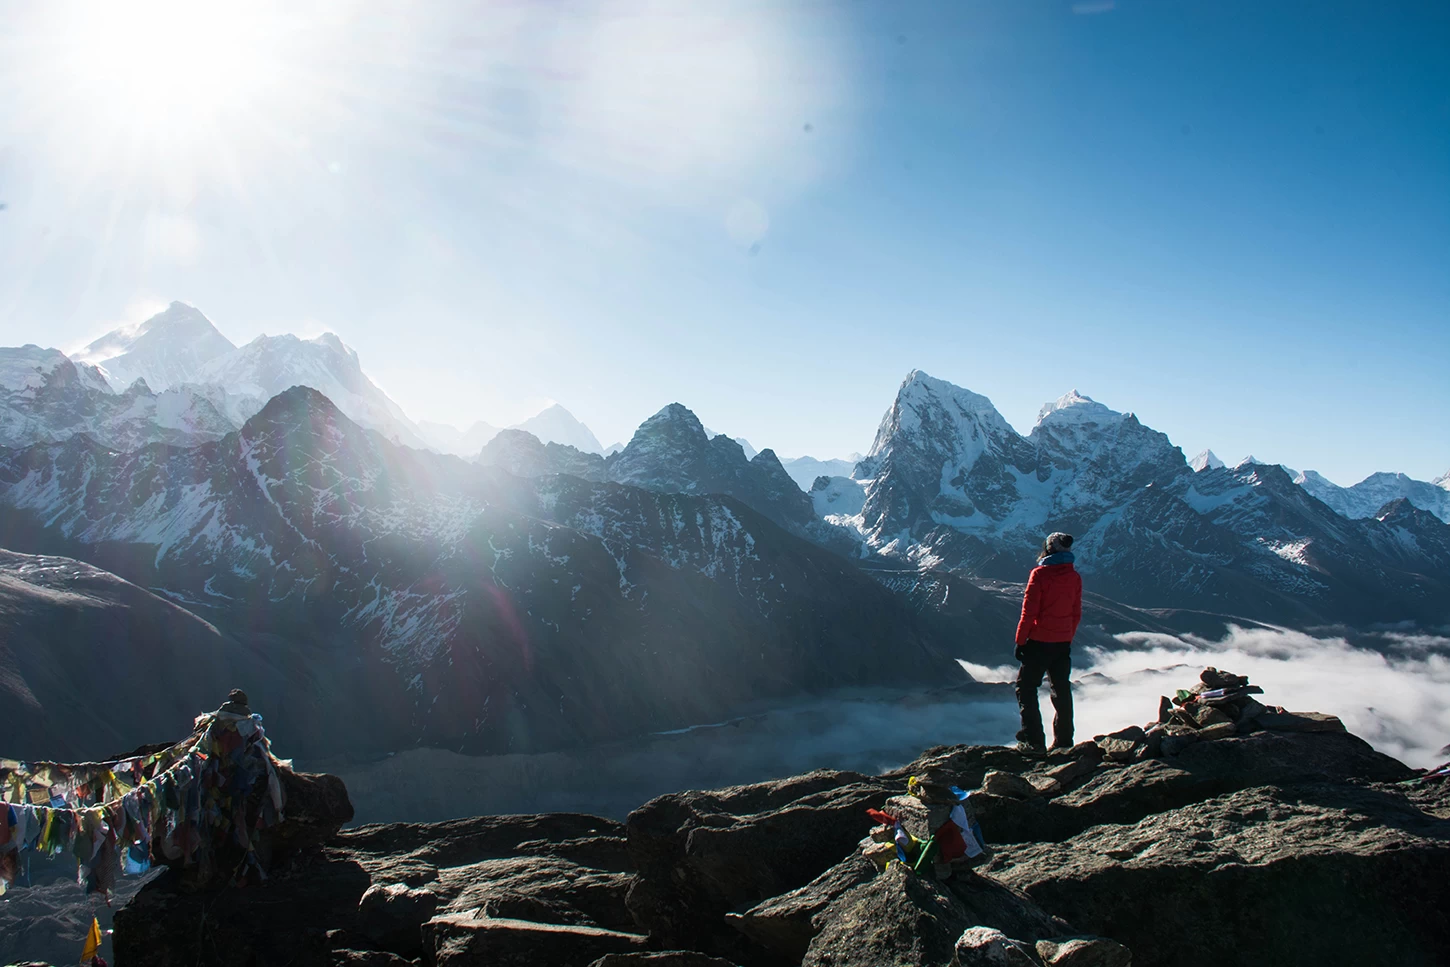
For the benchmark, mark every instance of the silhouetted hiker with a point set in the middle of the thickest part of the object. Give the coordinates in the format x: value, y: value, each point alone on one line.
x: 1051, y: 610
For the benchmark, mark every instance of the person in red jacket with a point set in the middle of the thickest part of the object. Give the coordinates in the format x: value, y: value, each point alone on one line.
x: 1051, y: 610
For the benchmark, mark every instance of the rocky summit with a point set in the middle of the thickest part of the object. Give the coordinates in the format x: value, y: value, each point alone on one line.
x: 1287, y: 840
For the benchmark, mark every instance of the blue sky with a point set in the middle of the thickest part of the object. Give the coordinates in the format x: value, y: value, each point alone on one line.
x: 1230, y: 217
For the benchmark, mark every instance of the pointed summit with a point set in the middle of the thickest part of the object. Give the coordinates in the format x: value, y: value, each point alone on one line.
x: 557, y: 425
x: 170, y: 348
x: 930, y: 414
x: 1076, y: 408
x: 1206, y: 460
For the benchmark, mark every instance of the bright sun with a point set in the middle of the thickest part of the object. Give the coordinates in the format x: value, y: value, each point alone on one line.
x: 150, y: 63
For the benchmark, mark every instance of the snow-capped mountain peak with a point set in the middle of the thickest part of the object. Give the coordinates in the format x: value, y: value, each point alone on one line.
x: 954, y: 423
x: 167, y: 349
x: 557, y: 425
x: 1077, y: 408
x: 268, y: 365
x: 1366, y: 498
x: 1206, y: 460
x: 1442, y: 481
x: 25, y: 370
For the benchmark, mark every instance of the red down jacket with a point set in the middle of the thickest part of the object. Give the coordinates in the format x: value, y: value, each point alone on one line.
x: 1051, y: 605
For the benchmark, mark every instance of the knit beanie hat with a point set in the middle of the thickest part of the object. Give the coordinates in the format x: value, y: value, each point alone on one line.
x: 1056, y: 543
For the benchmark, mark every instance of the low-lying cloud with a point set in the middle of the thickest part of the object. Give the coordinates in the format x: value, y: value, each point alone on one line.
x: 1395, y: 695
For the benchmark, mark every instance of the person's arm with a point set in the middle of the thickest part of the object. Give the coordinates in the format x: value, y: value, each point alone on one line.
x: 1031, y: 606
x: 1076, y: 604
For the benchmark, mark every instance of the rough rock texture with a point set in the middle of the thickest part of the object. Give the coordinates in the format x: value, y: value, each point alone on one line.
x: 786, y: 924
x: 1299, y: 847
x: 1084, y: 952
x: 475, y: 940
x: 700, y: 855
x: 985, y: 947
x: 661, y: 958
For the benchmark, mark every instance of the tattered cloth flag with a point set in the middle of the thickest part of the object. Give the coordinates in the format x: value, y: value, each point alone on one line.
x: 198, y: 802
x: 93, y: 942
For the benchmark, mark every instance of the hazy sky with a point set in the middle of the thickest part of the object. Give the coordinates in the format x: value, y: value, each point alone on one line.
x: 1229, y: 216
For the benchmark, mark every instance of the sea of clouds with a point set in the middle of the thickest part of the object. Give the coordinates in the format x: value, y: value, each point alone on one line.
x: 1391, y: 688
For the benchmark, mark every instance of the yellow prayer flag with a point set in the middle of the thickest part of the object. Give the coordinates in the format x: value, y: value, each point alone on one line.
x: 93, y: 942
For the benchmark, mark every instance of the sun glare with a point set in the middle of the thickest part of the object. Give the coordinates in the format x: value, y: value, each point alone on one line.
x: 166, y: 62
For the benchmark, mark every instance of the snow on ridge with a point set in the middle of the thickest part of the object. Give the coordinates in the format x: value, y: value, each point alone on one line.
x: 1073, y: 407
x: 25, y: 369
x: 1206, y: 460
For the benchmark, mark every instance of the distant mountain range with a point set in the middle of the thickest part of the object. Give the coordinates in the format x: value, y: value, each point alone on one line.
x: 949, y: 485
x: 411, y: 597
x: 535, y: 594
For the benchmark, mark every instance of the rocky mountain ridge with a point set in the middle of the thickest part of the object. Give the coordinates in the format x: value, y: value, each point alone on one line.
x: 671, y: 452
x: 1294, y: 846
x: 47, y: 398
x: 468, y: 608
x: 1370, y: 495
x: 948, y: 484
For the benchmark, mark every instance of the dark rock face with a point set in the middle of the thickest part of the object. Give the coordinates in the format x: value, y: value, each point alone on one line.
x: 699, y: 855
x: 1291, y: 847
x: 1309, y: 874
x: 672, y: 453
x: 525, y: 455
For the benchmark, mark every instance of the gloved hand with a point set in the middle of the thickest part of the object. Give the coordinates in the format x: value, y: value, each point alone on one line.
x: 1017, y: 654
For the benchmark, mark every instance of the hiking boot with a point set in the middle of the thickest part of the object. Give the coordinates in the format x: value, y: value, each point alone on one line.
x: 1060, y: 747
x: 1030, y: 748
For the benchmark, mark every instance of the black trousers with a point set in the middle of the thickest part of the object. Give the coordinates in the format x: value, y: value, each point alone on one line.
x: 1054, y: 659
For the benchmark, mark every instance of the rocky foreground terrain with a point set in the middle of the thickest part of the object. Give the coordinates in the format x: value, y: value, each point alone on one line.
x: 1295, y: 847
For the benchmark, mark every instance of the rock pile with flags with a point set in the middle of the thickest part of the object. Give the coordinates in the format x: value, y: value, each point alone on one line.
x: 199, y: 804
x: 1219, y: 705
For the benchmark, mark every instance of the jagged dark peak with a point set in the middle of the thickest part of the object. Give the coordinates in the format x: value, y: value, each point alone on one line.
x: 1402, y: 510
x: 523, y: 454
x: 766, y: 458
x: 138, y: 387
x: 514, y: 439
x: 290, y: 405
x: 674, y: 429
x: 727, y: 445
x: 674, y: 415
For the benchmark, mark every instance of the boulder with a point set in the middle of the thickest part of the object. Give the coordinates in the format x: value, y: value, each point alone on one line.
x: 1299, y: 722
x: 985, y: 947
x: 896, y: 918
x: 1327, y: 873
x: 468, y: 939
x: 1123, y: 745
x: 1008, y: 785
x: 1205, y: 715
x: 785, y: 925
x: 1084, y: 952
x: 1218, y: 730
x: 313, y: 902
x: 391, y: 915
x: 701, y: 855
x: 899, y: 918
